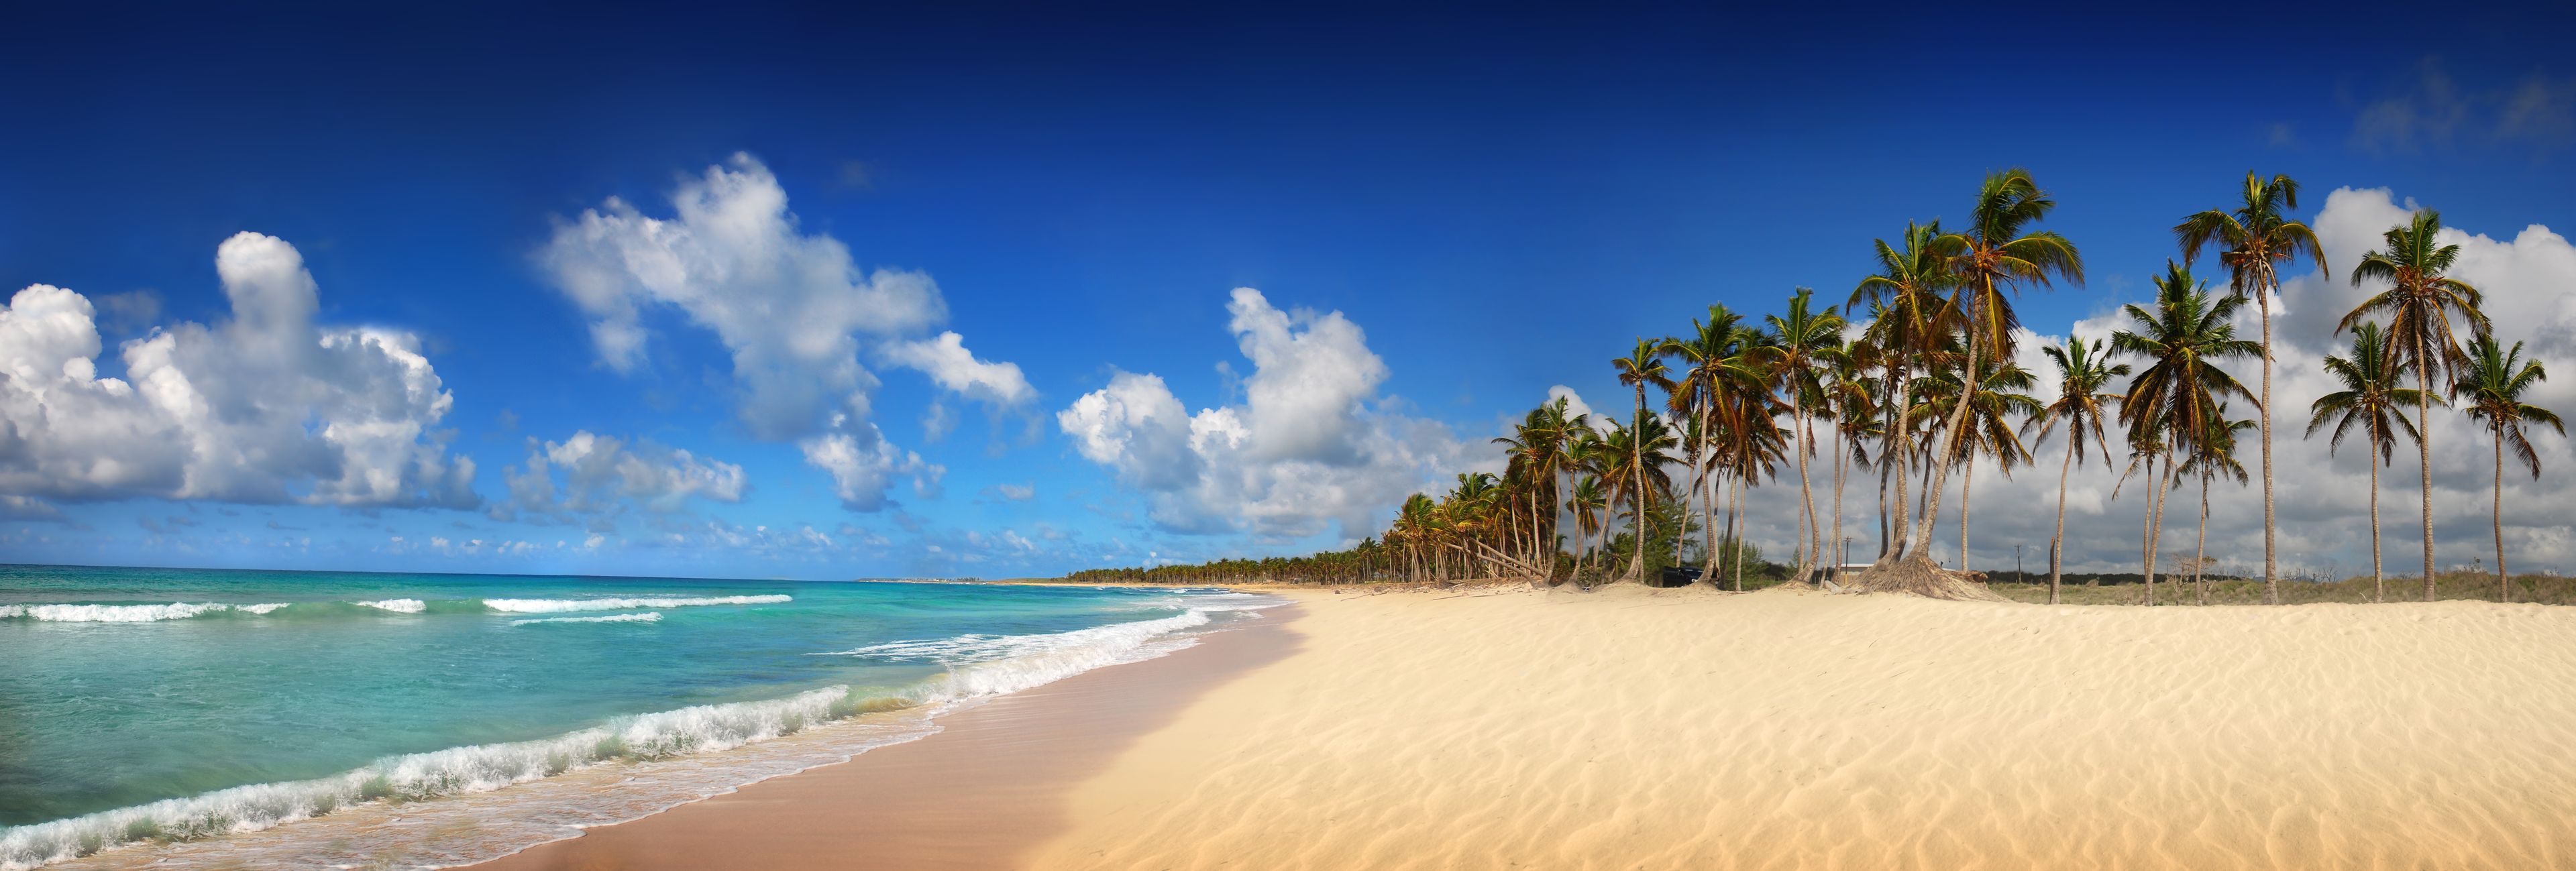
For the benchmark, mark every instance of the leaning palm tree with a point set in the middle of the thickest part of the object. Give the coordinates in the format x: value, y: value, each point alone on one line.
x: 1907, y: 316
x: 2373, y: 388
x: 1997, y: 399
x: 2211, y: 454
x: 2256, y: 237
x: 2083, y: 372
x: 1538, y: 447
x: 2420, y: 305
x: 1805, y: 343
x: 1643, y: 367
x: 1996, y: 255
x: 2491, y: 385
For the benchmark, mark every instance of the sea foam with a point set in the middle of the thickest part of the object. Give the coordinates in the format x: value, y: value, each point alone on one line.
x: 127, y: 613
x: 646, y: 617
x: 550, y: 606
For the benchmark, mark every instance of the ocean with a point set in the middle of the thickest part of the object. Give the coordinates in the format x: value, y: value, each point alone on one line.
x: 201, y: 718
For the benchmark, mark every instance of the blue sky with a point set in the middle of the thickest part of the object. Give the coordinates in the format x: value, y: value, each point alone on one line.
x: 1493, y: 204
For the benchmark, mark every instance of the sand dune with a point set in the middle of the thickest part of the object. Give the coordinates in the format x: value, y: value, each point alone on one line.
x: 1784, y: 729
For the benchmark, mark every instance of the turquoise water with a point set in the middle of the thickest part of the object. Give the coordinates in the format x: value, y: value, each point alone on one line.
x: 157, y: 704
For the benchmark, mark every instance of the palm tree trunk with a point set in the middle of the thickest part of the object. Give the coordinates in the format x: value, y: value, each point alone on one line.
x: 2057, y: 542
x: 2263, y: 408
x: 1708, y: 507
x: 1842, y: 466
x: 1886, y: 471
x: 2378, y: 581
x: 1967, y: 478
x: 2200, y: 549
x: 2504, y: 582
x: 1738, y: 574
x: 2147, y: 532
x: 1806, y: 496
x: 2424, y: 454
x: 1950, y: 439
x: 1637, y: 500
x: 1892, y: 542
x: 2155, y: 542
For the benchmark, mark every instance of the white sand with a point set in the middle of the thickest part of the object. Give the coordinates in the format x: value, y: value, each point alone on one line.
x: 1783, y: 729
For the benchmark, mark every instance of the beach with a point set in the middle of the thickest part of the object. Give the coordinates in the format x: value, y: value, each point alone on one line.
x: 1634, y: 728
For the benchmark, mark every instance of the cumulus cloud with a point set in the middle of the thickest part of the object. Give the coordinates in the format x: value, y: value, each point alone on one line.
x: 265, y: 407
x: 864, y: 464
x: 2530, y: 285
x: 601, y: 476
x: 793, y: 308
x: 945, y: 359
x: 1309, y: 449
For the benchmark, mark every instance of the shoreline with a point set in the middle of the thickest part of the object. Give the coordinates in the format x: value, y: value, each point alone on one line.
x: 979, y: 793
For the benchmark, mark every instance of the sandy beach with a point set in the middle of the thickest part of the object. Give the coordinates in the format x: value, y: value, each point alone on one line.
x: 1685, y: 729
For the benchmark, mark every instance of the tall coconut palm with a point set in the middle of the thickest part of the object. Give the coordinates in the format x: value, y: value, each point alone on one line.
x: 1907, y: 315
x: 2373, y: 390
x: 1993, y: 258
x: 2423, y: 307
x: 2256, y: 239
x: 1413, y: 526
x: 2084, y: 372
x: 2176, y: 397
x: 1645, y: 445
x: 1713, y: 369
x: 1642, y: 368
x: 2209, y: 455
x: 1538, y: 447
x: 1805, y: 343
x: 2491, y: 384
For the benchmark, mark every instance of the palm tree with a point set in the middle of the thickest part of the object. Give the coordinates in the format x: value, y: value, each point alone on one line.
x: 1642, y: 367
x: 1646, y: 447
x: 2419, y: 305
x: 1715, y: 368
x: 1589, y: 505
x: 2372, y: 390
x: 1907, y: 314
x: 1538, y: 452
x: 1805, y: 343
x: 1998, y: 398
x: 2491, y: 385
x: 2184, y: 338
x: 1852, y: 403
x: 2211, y: 454
x: 1996, y: 254
x: 2257, y: 236
x: 2083, y: 372
x: 1413, y: 526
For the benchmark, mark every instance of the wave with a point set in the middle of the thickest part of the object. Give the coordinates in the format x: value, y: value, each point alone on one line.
x: 981, y: 666
x: 549, y: 606
x: 646, y: 617
x: 149, y: 613
x: 128, y: 613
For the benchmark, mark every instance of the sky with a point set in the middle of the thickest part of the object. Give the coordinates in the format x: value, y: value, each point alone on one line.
x: 996, y: 291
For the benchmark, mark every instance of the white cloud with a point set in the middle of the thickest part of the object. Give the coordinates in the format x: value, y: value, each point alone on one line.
x: 863, y: 465
x: 945, y: 359
x: 793, y: 309
x: 602, y: 475
x: 266, y: 407
x: 1308, y: 447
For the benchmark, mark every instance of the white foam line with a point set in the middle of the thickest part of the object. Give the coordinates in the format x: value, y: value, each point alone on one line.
x: 549, y: 606
x: 646, y: 617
